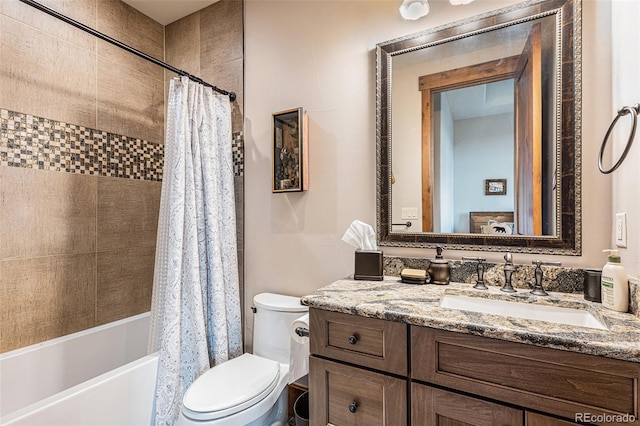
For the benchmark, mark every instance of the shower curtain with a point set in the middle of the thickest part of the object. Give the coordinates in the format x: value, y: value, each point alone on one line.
x: 195, y: 313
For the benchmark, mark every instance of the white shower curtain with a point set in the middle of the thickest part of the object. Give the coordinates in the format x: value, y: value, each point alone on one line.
x: 195, y: 313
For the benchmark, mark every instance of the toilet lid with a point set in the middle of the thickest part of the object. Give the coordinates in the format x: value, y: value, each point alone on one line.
x: 230, y: 387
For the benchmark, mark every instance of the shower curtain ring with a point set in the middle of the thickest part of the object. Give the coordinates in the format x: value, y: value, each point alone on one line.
x: 625, y: 110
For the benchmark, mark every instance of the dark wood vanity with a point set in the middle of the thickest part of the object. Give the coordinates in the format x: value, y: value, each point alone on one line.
x: 371, y: 371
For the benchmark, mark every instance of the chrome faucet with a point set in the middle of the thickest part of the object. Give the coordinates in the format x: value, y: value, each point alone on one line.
x: 538, y: 290
x: 509, y: 269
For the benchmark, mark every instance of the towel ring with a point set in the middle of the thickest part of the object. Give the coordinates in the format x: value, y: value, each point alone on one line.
x: 634, y: 111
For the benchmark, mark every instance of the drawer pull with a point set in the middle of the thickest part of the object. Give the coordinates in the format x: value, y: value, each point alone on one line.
x: 353, y: 339
x: 353, y: 407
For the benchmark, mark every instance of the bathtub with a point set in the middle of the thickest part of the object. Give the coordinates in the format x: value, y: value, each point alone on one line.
x: 100, y: 376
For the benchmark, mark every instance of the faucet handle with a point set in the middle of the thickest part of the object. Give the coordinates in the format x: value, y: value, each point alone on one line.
x: 538, y: 290
x: 508, y: 257
x: 547, y: 263
x: 509, y: 268
x: 480, y: 283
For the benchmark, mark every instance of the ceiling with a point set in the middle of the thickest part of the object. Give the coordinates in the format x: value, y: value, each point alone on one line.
x: 168, y: 11
x: 481, y: 100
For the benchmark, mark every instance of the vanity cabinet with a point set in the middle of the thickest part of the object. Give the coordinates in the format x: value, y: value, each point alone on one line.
x: 432, y: 406
x: 550, y: 380
x: 346, y: 391
x: 365, y: 342
x: 347, y: 395
x: 537, y: 419
x: 367, y: 371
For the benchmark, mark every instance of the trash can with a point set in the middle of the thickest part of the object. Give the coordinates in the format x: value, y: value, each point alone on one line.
x: 301, y: 409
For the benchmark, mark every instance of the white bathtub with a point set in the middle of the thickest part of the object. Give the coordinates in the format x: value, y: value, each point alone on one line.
x: 100, y: 376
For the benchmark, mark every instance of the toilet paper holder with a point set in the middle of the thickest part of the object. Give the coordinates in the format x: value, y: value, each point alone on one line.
x: 302, y: 331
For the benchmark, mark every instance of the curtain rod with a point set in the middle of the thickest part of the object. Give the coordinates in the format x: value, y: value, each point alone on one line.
x: 36, y: 5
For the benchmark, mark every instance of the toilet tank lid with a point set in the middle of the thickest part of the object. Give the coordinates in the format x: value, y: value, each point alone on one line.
x: 279, y: 302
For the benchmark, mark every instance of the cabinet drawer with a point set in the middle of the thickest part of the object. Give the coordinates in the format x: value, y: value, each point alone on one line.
x: 558, y: 382
x: 367, y: 342
x: 344, y: 395
x: 536, y: 419
x: 431, y: 406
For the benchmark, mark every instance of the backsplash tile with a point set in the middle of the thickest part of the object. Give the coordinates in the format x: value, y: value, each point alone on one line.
x: 562, y: 279
x: 634, y: 299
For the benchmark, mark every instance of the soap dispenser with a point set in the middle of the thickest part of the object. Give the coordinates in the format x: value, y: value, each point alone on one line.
x: 439, y: 269
x: 614, y: 284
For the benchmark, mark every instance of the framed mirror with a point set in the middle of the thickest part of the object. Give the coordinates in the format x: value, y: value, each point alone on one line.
x: 479, y: 133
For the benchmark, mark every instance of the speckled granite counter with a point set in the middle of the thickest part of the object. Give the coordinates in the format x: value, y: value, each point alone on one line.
x: 420, y: 305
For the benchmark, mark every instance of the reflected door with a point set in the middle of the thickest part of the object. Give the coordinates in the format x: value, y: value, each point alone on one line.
x: 529, y: 136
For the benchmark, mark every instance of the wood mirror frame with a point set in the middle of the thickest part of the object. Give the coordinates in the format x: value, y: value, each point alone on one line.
x: 568, y: 238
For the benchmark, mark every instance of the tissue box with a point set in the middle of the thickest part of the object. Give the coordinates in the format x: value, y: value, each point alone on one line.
x: 368, y: 265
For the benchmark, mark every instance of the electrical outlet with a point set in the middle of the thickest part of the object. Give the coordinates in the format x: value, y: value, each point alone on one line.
x: 409, y: 213
x: 621, y: 229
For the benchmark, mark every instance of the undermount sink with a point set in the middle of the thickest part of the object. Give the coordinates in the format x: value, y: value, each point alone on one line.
x: 554, y: 314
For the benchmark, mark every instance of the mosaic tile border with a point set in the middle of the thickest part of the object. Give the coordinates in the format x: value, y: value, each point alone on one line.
x: 41, y: 143
x: 237, y: 148
x: 36, y: 142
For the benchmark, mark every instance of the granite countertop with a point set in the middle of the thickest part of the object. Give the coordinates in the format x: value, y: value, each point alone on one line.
x: 420, y: 305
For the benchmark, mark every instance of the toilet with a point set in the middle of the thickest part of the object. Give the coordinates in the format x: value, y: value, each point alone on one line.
x: 252, y: 388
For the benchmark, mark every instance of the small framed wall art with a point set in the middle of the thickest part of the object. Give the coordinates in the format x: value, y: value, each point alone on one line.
x: 290, y: 171
x: 495, y: 187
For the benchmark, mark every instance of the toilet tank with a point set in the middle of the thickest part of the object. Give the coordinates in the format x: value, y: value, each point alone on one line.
x: 271, y: 323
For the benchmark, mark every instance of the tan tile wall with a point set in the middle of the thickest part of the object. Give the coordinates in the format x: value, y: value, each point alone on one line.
x: 132, y: 87
x: 127, y: 222
x: 37, y: 75
x: 209, y: 43
x: 77, y: 250
x: 53, y: 70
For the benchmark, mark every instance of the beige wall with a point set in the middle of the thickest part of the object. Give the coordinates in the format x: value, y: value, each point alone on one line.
x: 77, y: 250
x: 321, y: 56
x: 625, y: 15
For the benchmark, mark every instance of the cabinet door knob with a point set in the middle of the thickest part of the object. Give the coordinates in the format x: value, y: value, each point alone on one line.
x: 353, y: 407
x: 353, y: 339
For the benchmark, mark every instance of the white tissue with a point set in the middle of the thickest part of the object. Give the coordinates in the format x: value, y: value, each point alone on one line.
x: 360, y: 235
x: 303, y: 322
x: 299, y: 350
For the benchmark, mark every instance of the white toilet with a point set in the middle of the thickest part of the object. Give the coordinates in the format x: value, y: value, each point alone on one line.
x: 252, y: 388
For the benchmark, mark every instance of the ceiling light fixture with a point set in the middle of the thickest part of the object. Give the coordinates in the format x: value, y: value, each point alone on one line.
x: 414, y: 9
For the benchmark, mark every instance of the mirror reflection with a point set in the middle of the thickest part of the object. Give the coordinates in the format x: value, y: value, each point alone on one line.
x: 478, y: 132
x: 474, y: 136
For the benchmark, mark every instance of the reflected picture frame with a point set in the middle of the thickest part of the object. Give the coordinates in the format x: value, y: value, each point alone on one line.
x: 495, y: 187
x: 290, y: 156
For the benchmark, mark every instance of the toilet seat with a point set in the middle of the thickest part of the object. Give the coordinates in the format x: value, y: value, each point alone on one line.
x: 230, y: 387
